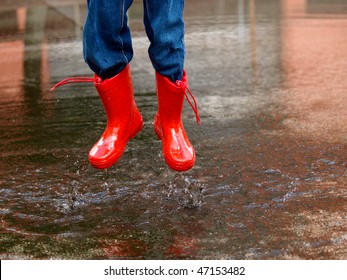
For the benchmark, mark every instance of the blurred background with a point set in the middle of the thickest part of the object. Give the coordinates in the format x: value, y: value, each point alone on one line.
x: 270, y: 180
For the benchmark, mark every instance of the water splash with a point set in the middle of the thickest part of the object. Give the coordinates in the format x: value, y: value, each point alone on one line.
x: 190, y: 191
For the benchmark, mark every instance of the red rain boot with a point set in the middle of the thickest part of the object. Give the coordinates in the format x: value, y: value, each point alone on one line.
x: 124, y: 120
x: 178, y: 152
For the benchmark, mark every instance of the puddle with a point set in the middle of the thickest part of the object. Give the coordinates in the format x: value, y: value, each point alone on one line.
x: 270, y: 178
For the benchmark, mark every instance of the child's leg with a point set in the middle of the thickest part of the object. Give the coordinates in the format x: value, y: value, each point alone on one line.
x: 165, y: 29
x: 107, y: 44
x: 107, y: 50
x: 164, y: 24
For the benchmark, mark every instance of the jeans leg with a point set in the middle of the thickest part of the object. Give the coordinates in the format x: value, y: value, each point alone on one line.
x: 164, y: 25
x: 107, y: 46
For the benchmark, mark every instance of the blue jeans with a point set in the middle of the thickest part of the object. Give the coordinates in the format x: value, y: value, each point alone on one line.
x: 107, y: 45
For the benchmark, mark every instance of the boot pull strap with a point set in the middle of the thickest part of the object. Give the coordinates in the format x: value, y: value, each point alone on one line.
x: 193, y: 104
x: 73, y: 80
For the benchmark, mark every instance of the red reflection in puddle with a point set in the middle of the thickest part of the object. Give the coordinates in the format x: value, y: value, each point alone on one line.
x: 125, y: 248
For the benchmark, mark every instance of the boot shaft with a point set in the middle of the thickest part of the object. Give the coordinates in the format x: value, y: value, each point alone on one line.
x: 117, y: 96
x: 170, y: 98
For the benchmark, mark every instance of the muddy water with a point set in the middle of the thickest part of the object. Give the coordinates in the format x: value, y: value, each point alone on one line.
x: 270, y: 180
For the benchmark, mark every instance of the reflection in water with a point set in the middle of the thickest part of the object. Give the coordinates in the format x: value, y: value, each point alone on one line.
x: 34, y: 58
x: 253, y: 34
x: 270, y: 178
x: 314, y: 57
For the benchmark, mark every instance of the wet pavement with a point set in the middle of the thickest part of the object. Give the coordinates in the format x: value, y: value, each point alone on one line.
x: 270, y: 180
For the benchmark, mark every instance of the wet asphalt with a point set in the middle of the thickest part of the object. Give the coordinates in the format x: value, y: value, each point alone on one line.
x: 270, y: 181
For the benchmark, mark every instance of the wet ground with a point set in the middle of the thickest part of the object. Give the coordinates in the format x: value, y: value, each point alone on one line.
x: 270, y: 180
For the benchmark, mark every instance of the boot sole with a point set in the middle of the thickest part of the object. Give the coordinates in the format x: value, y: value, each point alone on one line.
x: 180, y: 167
x: 113, y: 159
x: 172, y: 164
